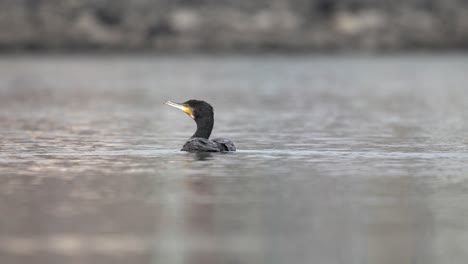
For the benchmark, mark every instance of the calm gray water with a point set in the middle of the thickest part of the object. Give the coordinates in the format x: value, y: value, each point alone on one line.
x: 340, y: 159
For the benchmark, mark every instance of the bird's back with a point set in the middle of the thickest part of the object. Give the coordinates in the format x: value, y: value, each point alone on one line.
x: 204, y: 145
x: 224, y: 144
x: 200, y: 145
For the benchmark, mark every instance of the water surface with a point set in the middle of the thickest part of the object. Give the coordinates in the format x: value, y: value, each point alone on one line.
x: 341, y: 159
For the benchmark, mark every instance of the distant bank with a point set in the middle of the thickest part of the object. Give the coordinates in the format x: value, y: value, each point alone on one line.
x: 237, y: 25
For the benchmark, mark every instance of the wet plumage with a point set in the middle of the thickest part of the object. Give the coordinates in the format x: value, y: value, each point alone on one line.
x: 203, y: 114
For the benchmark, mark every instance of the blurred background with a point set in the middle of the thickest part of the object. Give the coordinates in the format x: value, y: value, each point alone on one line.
x: 207, y: 25
x: 349, y: 116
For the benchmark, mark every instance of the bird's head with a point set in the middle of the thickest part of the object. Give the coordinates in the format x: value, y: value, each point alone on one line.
x: 196, y: 109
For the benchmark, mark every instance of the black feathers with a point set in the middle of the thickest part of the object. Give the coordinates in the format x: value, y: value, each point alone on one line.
x: 224, y: 144
x: 200, y: 145
x: 206, y: 145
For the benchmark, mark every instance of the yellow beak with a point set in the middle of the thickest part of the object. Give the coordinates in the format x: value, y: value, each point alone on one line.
x: 182, y: 107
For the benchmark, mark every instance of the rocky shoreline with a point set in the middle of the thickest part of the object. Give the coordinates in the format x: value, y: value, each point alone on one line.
x: 207, y: 25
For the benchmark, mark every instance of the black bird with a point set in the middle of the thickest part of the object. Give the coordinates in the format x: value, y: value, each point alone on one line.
x: 202, y: 113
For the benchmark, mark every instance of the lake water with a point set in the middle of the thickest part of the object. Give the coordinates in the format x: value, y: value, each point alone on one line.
x: 341, y: 159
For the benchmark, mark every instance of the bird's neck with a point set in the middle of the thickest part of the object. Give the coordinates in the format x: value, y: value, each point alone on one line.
x: 204, y: 127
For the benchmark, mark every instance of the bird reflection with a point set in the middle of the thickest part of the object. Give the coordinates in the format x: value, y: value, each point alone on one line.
x: 202, y: 156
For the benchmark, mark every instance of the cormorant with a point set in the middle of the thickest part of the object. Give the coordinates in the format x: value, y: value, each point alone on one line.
x: 202, y: 113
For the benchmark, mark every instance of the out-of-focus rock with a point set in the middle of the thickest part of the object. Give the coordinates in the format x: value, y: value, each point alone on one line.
x: 359, y: 23
x: 185, y: 20
x: 87, y: 29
